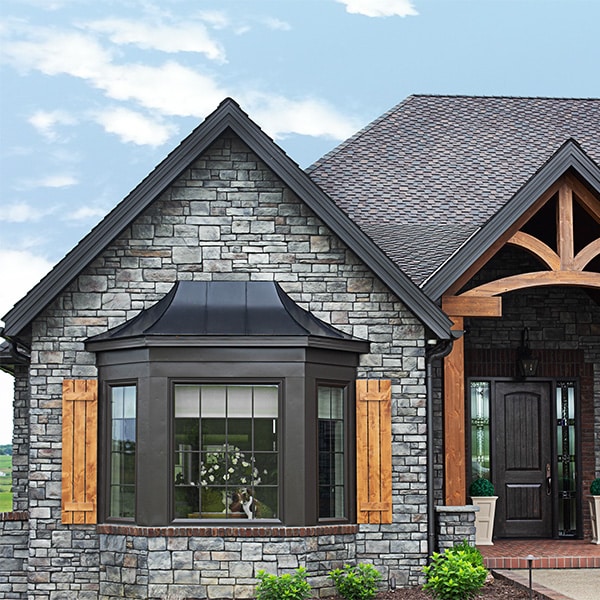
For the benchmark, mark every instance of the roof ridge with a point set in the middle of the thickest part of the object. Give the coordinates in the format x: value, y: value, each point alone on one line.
x: 505, y: 97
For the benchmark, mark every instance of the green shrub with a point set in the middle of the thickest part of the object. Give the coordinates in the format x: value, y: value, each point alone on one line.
x: 471, y: 553
x: 356, y: 583
x: 595, y: 487
x: 279, y: 587
x: 482, y: 487
x: 454, y: 575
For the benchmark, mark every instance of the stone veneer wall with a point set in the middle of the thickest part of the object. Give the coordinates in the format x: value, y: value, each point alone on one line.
x: 222, y: 562
x: 20, y: 457
x: 226, y: 217
x: 455, y: 524
x: 13, y: 554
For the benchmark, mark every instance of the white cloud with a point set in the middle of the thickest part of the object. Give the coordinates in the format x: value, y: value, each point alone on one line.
x: 20, y: 213
x: 380, y: 8
x: 169, y: 89
x: 134, y: 127
x: 86, y: 212
x: 58, y: 181
x: 277, y: 24
x: 180, y: 37
x: 279, y: 116
x: 46, y: 122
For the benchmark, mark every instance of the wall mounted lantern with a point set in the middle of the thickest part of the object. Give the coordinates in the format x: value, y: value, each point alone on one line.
x: 525, y: 361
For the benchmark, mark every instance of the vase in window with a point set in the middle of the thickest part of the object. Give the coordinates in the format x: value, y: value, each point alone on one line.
x: 595, y: 510
x: 482, y: 494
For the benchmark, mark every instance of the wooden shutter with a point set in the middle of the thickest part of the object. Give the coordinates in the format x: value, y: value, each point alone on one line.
x: 79, y: 450
x: 374, y: 450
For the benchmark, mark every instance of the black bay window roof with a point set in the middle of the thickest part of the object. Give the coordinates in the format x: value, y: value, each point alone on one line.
x: 198, y: 313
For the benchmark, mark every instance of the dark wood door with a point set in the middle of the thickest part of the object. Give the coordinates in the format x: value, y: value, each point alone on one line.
x: 522, y: 459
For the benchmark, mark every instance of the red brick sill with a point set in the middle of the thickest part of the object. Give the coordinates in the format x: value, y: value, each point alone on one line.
x: 208, y: 531
x: 15, y: 515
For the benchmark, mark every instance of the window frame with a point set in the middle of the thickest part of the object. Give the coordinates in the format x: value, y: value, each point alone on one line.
x: 105, y: 473
x: 279, y: 383
x: 295, y: 368
x: 349, y: 461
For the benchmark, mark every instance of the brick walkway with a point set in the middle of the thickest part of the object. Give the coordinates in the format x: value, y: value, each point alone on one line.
x: 549, y: 554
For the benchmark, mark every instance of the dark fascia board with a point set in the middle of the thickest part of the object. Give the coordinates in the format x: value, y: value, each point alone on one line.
x: 227, y: 115
x: 355, y: 346
x: 569, y: 156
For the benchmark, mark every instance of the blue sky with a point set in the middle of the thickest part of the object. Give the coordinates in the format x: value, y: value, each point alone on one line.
x: 95, y: 94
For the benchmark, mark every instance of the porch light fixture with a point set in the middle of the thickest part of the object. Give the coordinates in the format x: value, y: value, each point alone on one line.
x: 525, y: 361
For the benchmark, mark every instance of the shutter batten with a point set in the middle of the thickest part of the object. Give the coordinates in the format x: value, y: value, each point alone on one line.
x: 374, y: 450
x: 79, y: 450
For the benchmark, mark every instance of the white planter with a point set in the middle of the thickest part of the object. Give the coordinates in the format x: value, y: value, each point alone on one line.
x: 484, y: 519
x: 595, y: 514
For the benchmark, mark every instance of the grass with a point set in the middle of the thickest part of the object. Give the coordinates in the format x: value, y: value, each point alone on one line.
x: 6, y: 483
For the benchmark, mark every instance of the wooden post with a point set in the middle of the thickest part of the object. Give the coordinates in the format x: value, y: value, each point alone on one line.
x: 454, y: 421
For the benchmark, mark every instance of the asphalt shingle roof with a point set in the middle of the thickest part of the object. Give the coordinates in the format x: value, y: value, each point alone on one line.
x: 427, y: 175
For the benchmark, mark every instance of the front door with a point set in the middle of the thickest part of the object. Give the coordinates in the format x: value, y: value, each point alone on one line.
x: 522, y: 451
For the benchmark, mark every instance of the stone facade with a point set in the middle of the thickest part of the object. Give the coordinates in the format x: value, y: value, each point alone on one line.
x: 227, y: 217
x: 13, y: 554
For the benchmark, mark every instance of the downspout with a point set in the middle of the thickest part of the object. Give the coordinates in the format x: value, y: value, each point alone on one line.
x: 440, y: 350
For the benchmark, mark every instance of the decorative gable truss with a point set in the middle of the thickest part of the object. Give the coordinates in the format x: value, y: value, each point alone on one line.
x: 566, y: 262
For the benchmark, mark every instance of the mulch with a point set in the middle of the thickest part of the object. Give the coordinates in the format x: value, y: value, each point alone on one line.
x: 496, y: 589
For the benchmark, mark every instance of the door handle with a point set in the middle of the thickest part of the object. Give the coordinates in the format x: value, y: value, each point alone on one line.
x: 548, y: 480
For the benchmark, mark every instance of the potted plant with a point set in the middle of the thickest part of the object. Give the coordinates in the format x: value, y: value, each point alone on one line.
x: 595, y: 510
x: 483, y: 495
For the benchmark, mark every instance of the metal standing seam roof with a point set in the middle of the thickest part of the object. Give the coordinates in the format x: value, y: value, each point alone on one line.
x: 430, y: 173
x: 215, y: 309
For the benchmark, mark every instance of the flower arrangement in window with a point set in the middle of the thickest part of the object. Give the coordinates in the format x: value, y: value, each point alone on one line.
x: 228, y: 466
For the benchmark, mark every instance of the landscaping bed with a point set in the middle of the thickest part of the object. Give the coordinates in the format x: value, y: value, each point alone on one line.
x: 496, y: 589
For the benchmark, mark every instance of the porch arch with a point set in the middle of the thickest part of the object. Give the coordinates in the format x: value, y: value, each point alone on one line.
x: 566, y: 266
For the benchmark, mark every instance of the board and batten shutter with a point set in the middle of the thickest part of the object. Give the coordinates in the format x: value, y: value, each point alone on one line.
x: 79, y: 450
x: 374, y: 450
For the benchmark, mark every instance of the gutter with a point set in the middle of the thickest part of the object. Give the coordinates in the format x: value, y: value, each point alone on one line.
x: 17, y: 351
x: 440, y: 350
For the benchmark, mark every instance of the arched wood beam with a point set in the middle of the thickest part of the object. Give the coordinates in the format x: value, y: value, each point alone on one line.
x: 536, y: 279
x: 537, y: 248
x: 585, y: 255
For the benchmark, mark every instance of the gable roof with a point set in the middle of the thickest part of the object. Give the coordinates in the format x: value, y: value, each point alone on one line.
x: 427, y: 176
x: 227, y: 116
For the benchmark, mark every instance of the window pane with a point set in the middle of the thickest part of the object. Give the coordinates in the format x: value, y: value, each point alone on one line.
x: 213, y: 401
x: 480, y: 429
x: 239, y: 401
x: 330, y: 403
x: 122, y: 456
x: 235, y: 429
x: 187, y: 401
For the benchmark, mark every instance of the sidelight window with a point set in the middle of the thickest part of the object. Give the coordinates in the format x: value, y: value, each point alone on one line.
x: 480, y: 429
x: 122, y: 452
x: 331, y: 452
